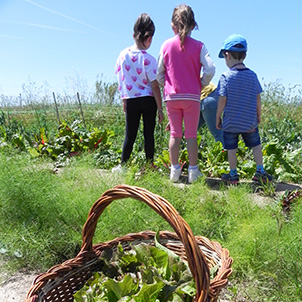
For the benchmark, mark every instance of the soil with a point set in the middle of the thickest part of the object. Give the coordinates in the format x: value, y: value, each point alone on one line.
x: 13, y: 288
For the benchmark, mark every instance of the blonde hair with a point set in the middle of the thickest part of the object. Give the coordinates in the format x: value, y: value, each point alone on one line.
x: 183, y: 20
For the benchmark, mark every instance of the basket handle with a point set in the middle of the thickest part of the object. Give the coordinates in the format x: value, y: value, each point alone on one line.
x: 195, y: 257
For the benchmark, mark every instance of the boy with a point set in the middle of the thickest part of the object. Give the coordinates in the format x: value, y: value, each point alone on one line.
x: 239, y: 98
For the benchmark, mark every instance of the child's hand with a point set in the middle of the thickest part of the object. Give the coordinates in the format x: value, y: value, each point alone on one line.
x: 218, y: 123
x: 160, y: 117
x: 167, y: 128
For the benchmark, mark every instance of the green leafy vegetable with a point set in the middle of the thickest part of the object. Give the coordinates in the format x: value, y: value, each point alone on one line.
x: 143, y: 274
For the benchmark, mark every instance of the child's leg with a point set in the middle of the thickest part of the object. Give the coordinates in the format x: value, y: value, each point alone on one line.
x: 257, y: 151
x: 133, y: 115
x: 174, y: 144
x: 232, y: 158
x: 232, y: 177
x: 258, y: 157
x: 252, y: 140
x: 149, y: 109
x: 231, y: 144
x: 175, y: 115
x: 261, y: 175
x: 191, y: 119
x: 192, y: 151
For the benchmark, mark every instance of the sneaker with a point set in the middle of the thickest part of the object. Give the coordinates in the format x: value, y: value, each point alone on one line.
x: 118, y: 169
x: 262, y: 177
x: 175, y: 174
x: 194, y: 174
x: 231, y: 179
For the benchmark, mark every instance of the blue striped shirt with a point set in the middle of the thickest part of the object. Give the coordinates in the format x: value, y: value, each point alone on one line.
x: 240, y: 87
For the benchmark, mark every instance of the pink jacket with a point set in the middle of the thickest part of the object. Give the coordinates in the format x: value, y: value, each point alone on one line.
x: 179, y: 70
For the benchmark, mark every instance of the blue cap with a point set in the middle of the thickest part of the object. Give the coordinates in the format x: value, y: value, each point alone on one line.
x: 231, y: 41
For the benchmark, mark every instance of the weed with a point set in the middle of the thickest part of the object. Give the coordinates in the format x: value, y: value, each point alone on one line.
x: 267, y: 188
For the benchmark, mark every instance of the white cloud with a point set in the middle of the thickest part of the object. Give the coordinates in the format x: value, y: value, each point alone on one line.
x: 41, y: 26
x: 69, y: 18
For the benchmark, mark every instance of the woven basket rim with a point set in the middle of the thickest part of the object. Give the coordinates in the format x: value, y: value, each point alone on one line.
x: 198, y: 258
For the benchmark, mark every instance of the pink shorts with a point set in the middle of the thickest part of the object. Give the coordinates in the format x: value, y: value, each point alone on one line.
x: 187, y: 111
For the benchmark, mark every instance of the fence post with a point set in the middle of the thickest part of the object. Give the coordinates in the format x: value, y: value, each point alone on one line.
x: 78, y: 95
x: 20, y: 99
x: 57, y: 110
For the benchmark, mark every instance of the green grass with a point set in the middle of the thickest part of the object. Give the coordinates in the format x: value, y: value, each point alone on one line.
x: 42, y: 215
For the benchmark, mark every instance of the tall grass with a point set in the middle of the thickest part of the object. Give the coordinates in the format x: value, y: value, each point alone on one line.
x: 42, y: 213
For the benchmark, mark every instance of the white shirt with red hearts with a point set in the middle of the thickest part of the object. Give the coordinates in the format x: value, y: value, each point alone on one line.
x: 135, y: 70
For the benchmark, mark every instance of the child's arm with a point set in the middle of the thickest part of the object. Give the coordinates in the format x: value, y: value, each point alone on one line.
x: 259, y: 108
x: 124, y: 105
x: 208, y: 67
x: 161, y: 69
x: 220, y: 107
x: 157, y: 96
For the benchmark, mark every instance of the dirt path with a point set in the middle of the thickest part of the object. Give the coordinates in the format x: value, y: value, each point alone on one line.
x: 14, y: 288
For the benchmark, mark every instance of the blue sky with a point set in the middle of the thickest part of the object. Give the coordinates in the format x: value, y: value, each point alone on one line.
x: 55, y: 42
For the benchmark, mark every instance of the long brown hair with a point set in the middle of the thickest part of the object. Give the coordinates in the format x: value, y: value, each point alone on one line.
x: 183, y: 20
x: 143, y: 28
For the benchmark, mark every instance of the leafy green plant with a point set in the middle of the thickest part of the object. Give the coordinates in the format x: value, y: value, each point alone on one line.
x: 282, y: 162
x: 214, y: 159
x: 108, y: 158
x: 72, y: 140
x: 145, y: 273
x: 13, y: 133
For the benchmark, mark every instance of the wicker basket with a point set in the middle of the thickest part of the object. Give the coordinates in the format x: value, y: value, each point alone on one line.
x: 60, y: 282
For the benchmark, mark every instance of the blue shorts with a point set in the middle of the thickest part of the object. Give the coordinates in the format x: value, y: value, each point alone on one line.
x: 251, y: 139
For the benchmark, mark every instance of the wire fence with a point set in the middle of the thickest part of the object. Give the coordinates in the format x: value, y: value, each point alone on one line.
x: 88, y: 109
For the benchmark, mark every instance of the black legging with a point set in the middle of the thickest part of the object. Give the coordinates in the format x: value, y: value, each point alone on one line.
x: 145, y: 106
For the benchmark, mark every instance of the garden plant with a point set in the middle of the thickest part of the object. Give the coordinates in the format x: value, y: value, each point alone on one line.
x: 52, y: 172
